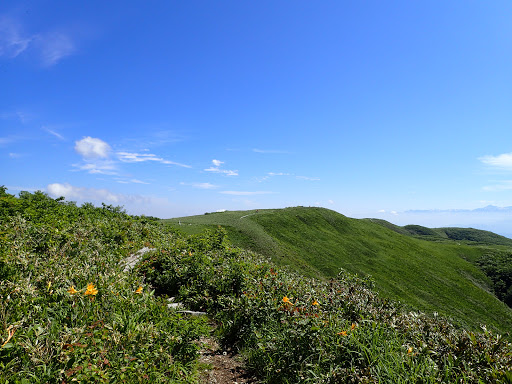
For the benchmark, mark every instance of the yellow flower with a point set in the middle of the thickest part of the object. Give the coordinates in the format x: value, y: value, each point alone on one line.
x: 286, y: 300
x: 138, y: 290
x: 11, y: 330
x: 315, y: 303
x: 72, y: 290
x: 353, y: 326
x: 342, y: 333
x: 91, y: 290
x: 409, y: 351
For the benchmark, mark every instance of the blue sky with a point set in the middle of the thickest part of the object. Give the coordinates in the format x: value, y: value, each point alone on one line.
x: 373, y: 109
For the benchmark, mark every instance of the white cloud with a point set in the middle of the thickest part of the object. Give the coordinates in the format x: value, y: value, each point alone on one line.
x: 216, y: 169
x: 330, y: 202
x: 245, y: 193
x: 83, y: 194
x: 503, y: 161
x: 134, y: 181
x: 268, y: 151
x: 52, y: 132
x: 12, y: 188
x: 278, y: 174
x: 91, y: 148
x: 13, y: 155
x: 307, y: 178
x: 201, y: 185
x: 134, y: 204
x: 103, y: 167
x: 131, y: 157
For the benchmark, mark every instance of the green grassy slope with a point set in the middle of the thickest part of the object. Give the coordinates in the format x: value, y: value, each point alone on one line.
x: 429, y: 276
x: 466, y: 235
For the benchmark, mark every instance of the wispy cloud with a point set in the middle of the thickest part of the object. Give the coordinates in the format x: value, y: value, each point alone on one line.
x: 12, y: 188
x: 98, y: 157
x: 12, y: 39
x: 54, y: 46
x: 134, y: 204
x: 270, y: 151
x: 216, y: 169
x: 131, y: 181
x: 503, y: 161
x: 7, y: 140
x: 81, y: 193
x: 201, y: 185
x: 49, y: 46
x: 132, y: 157
x: 384, y: 212
x: 52, y: 132
x: 504, y: 185
x: 245, y: 193
x: 102, y: 167
x: 307, y: 178
x: 271, y: 174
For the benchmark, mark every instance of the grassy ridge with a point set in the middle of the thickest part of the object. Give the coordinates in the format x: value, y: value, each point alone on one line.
x: 429, y: 276
x: 69, y: 312
x: 465, y: 235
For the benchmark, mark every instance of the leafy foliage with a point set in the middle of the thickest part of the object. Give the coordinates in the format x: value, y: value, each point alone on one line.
x: 292, y: 329
x: 435, y: 276
x: 498, y: 266
x: 69, y: 313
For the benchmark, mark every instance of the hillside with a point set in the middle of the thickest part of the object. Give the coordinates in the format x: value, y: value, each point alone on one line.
x: 425, y: 275
x: 466, y: 235
x: 73, y: 312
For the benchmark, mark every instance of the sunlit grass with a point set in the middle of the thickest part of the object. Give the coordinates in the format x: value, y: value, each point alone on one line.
x: 425, y: 275
x: 69, y: 313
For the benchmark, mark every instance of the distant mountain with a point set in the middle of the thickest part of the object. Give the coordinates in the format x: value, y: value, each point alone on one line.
x: 493, y: 208
x: 449, y: 233
x: 435, y: 275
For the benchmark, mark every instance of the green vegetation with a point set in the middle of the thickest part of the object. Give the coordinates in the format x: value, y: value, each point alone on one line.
x: 467, y: 235
x: 495, y: 261
x: 69, y: 313
x: 293, y: 329
x: 425, y: 275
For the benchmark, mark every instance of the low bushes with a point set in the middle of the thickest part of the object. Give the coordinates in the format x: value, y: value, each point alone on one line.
x: 68, y: 313
x: 292, y: 329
